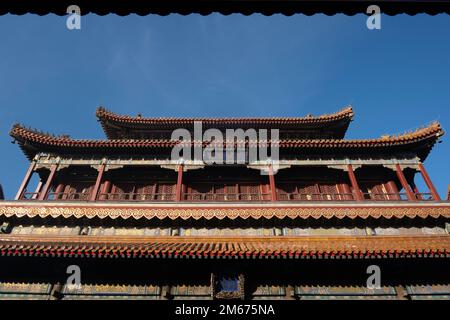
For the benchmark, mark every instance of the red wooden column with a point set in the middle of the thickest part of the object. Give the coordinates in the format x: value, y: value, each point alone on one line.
x: 405, y: 185
x: 25, y: 181
x: 98, y: 182
x: 179, y: 183
x: 430, y: 184
x: 59, y: 189
x: 352, y: 177
x: 273, y: 190
x: 105, y: 190
x: 38, y: 189
x: 48, y: 184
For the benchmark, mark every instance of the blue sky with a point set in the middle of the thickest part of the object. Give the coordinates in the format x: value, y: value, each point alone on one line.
x: 396, y: 78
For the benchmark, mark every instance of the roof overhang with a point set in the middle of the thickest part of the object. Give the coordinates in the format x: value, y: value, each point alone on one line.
x: 118, y: 126
x: 301, y: 247
x: 419, y: 143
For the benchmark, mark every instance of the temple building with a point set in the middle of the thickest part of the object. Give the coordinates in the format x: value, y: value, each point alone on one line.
x: 134, y: 224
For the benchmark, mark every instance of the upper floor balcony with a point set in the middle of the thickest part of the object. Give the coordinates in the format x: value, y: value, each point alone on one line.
x: 232, y: 184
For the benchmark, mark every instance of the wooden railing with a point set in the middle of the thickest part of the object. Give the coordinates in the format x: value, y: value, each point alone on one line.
x: 396, y: 196
x: 68, y: 196
x: 136, y: 197
x: 30, y: 195
x: 225, y: 197
x: 315, y: 196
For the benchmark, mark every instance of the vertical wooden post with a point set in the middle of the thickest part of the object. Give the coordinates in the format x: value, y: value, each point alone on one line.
x: 405, y: 185
x: 98, y: 182
x: 430, y: 184
x: 417, y: 192
x: 48, y: 184
x: 25, y: 181
x: 59, y: 189
x: 38, y: 189
x: 352, y: 177
x: 105, y: 190
x: 179, y: 183
x: 273, y: 190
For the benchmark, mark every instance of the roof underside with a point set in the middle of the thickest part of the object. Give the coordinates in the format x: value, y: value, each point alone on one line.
x: 205, y: 7
x: 122, y: 127
x: 419, y: 142
x: 222, y: 247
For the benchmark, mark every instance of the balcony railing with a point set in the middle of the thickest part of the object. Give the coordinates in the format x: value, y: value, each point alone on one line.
x: 30, y: 195
x: 225, y: 197
x: 396, y: 196
x: 136, y: 197
x: 315, y: 196
x: 424, y: 196
x: 67, y: 196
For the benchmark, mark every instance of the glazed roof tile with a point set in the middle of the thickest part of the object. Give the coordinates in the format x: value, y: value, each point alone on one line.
x: 220, y: 247
x: 118, y: 126
x: 105, y: 115
x: 31, y: 141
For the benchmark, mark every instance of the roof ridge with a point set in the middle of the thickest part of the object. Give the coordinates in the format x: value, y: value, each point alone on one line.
x: 103, y: 112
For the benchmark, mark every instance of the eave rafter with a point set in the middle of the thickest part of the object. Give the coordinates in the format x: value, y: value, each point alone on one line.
x: 32, y: 142
x: 223, y: 247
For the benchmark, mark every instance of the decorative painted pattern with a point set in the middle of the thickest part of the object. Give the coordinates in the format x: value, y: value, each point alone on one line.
x: 221, y: 213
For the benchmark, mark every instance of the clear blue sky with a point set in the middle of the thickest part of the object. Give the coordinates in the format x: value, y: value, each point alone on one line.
x: 397, y: 78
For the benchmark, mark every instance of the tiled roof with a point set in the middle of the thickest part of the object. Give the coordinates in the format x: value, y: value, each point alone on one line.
x: 45, y: 142
x: 342, y: 210
x: 223, y: 247
x: 105, y: 115
x: 115, y: 125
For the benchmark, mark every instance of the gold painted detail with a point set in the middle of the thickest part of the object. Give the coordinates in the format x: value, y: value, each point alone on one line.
x: 222, y: 213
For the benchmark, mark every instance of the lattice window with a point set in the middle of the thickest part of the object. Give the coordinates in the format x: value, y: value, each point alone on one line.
x: 307, y: 192
x: 286, y: 191
x: 249, y: 192
x: 374, y: 190
x: 145, y: 192
x: 76, y: 191
x: 219, y: 193
x: 165, y: 191
x: 328, y: 191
